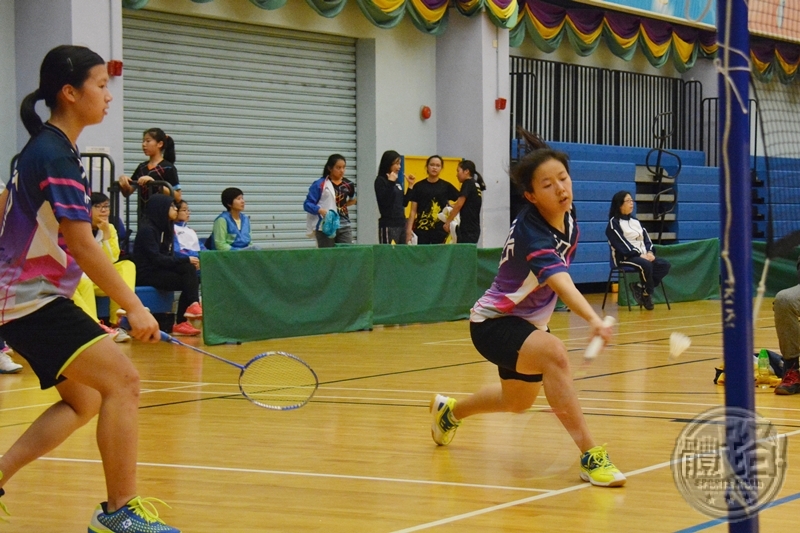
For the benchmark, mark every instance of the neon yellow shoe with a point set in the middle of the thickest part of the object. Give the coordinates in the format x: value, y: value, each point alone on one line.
x: 444, y: 425
x: 597, y: 468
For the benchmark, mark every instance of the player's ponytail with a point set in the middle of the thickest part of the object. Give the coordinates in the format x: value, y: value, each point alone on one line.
x: 63, y: 65
x: 27, y: 112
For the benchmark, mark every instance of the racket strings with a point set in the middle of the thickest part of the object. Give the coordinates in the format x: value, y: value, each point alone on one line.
x: 278, y: 381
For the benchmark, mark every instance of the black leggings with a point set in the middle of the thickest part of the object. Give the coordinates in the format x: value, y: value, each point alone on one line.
x: 183, y: 279
x: 651, y: 272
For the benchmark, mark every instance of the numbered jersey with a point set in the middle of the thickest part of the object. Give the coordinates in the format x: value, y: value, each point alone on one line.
x: 534, y: 251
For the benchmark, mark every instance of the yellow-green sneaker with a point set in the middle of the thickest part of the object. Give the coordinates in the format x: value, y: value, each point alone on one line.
x: 3, y: 507
x: 444, y: 425
x: 597, y: 468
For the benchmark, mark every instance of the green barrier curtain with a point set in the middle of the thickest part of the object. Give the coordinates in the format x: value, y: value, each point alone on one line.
x: 782, y: 271
x: 423, y: 283
x: 488, y: 263
x: 694, y: 274
x: 254, y: 295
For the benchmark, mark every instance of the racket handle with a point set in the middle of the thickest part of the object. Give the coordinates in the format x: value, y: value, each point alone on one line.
x: 124, y: 324
x: 597, y: 343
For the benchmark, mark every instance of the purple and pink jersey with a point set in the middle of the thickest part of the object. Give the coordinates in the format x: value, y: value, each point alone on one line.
x: 48, y: 185
x: 534, y: 251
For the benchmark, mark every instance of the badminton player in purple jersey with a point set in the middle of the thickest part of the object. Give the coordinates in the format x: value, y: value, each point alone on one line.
x: 508, y: 323
x: 46, y: 241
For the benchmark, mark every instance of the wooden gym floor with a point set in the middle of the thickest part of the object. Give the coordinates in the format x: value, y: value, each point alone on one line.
x: 359, y: 457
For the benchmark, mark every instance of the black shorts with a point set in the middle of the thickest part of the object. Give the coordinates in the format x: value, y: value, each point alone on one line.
x: 51, y: 337
x: 499, y: 340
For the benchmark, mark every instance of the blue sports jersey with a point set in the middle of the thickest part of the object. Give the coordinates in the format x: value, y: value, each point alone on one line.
x: 48, y: 185
x: 534, y: 251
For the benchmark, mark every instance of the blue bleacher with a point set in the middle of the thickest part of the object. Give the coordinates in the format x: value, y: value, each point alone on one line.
x: 599, y: 171
x: 613, y: 154
x: 698, y: 230
x: 698, y: 211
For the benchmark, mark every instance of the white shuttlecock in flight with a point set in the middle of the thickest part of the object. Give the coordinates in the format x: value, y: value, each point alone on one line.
x: 678, y: 343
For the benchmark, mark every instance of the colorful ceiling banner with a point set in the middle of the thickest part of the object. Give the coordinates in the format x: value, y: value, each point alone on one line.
x: 585, y: 27
x: 658, y: 40
x: 429, y: 16
x: 774, y: 58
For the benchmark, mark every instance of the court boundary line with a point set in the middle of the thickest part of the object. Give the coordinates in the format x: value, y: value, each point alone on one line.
x: 522, y: 501
x: 306, y: 474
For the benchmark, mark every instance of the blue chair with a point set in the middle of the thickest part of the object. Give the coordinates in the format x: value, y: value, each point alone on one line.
x: 620, y: 273
x: 156, y: 300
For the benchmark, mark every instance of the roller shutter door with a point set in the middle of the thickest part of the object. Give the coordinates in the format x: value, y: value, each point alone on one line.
x: 253, y: 107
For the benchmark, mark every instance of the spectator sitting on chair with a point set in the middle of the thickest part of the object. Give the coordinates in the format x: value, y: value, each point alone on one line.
x: 106, y: 236
x: 633, y: 248
x: 157, y: 266
x: 786, y: 308
x: 186, y: 242
x: 232, y: 226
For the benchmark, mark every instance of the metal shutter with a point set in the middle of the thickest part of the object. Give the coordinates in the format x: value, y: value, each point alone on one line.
x: 253, y: 107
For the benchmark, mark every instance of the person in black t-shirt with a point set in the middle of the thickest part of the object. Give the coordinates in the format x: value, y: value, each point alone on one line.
x: 160, y: 150
x: 391, y: 200
x: 428, y: 199
x: 468, y: 204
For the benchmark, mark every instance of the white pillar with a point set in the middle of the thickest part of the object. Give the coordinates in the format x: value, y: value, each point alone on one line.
x: 41, y: 25
x: 471, y: 73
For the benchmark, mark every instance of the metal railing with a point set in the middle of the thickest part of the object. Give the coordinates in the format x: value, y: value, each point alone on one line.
x: 575, y: 103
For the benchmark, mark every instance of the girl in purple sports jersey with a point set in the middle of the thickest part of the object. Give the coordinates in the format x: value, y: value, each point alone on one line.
x: 46, y: 241
x: 508, y: 323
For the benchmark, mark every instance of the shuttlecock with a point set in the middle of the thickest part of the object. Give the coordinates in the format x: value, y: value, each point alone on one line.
x: 678, y: 343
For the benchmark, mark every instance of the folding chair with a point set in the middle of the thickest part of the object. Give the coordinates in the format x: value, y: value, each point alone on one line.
x: 621, y: 272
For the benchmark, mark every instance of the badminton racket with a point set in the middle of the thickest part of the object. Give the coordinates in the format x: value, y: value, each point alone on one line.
x: 273, y: 380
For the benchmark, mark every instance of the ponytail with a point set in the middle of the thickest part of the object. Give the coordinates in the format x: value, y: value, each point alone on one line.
x: 169, y: 149
x: 27, y: 112
x: 63, y: 65
x: 479, y: 181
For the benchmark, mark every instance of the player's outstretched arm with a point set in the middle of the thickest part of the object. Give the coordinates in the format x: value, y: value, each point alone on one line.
x: 562, y: 284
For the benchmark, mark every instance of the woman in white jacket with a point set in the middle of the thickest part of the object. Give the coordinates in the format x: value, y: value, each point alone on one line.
x: 633, y: 247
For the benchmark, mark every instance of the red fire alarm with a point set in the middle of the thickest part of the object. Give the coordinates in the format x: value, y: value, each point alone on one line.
x: 114, y: 67
x: 425, y: 112
x: 500, y: 104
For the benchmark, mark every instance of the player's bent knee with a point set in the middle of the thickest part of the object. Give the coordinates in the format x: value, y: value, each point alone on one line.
x: 519, y: 405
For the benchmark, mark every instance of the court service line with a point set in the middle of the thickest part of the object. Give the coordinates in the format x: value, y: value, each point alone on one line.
x: 307, y: 474
x: 522, y: 501
x: 538, y: 406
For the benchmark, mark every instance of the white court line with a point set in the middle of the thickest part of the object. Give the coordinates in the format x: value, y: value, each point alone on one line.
x: 20, y: 390
x: 306, y: 474
x: 573, y: 488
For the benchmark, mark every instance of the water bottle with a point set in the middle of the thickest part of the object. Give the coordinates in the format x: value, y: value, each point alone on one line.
x: 763, y: 368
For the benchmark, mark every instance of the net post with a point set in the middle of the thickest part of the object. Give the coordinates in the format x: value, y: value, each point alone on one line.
x: 736, y: 237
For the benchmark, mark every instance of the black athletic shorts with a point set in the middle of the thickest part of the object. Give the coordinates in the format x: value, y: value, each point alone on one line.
x: 499, y: 340
x: 51, y: 337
